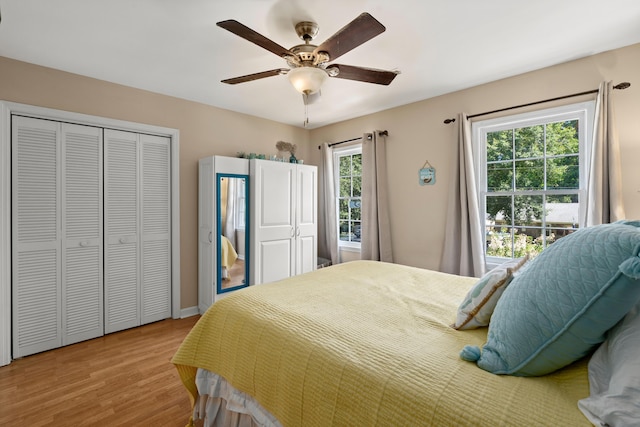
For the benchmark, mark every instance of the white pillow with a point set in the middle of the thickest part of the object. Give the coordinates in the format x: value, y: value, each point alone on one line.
x: 614, y: 376
x: 477, y: 306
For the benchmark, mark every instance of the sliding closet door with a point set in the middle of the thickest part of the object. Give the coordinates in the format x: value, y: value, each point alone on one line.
x: 156, y: 229
x: 36, y: 247
x: 57, y: 234
x: 82, y: 245
x: 121, y: 200
x: 137, y: 228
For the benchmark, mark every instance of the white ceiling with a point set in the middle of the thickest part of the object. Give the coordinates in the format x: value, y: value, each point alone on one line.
x: 174, y: 47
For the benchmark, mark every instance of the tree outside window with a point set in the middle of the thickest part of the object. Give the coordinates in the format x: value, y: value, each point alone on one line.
x: 349, y: 194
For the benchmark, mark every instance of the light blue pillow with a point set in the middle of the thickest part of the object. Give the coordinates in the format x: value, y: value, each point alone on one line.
x: 560, y: 307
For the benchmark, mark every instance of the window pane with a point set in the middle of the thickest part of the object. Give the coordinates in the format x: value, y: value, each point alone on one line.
x: 357, y: 165
x: 345, y: 187
x: 343, y: 208
x: 562, y: 211
x: 499, y: 210
x: 356, y: 213
x: 499, y: 145
x: 357, y: 228
x: 499, y: 241
x: 529, y: 142
x: 345, y: 165
x: 563, y: 172
x: 357, y: 186
x: 562, y: 138
x: 530, y: 174
x: 344, y: 230
x: 527, y: 210
x: 499, y: 176
x: 527, y: 240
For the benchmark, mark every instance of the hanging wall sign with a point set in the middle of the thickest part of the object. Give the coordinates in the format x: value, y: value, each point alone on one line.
x: 427, y: 175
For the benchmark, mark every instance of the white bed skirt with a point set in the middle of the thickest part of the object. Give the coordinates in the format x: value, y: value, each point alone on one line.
x: 221, y: 405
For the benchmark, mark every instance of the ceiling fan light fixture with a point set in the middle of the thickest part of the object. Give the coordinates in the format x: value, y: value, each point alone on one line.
x: 307, y: 80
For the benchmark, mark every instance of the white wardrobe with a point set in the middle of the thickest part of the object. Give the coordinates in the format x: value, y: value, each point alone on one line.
x: 91, y: 232
x: 282, y: 232
x: 284, y: 220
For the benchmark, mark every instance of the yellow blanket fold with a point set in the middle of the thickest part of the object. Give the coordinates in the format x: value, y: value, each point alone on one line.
x: 228, y: 256
x: 368, y: 343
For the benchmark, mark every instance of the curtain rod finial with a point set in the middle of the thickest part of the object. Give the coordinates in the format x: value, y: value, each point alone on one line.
x: 623, y: 85
x: 447, y: 121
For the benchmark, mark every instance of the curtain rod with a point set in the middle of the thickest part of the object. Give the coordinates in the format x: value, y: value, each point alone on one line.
x: 621, y: 86
x: 382, y: 132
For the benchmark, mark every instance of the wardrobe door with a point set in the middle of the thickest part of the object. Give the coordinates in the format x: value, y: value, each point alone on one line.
x: 307, y: 218
x: 272, y: 220
x: 206, y: 228
x: 156, y: 229
x: 82, y: 248
x: 36, y: 247
x: 121, y: 228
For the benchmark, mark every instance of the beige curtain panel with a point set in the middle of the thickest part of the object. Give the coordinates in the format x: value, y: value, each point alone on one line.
x: 376, y: 227
x: 463, y: 251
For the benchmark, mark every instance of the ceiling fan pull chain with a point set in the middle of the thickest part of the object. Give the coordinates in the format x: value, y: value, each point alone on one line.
x: 306, y: 115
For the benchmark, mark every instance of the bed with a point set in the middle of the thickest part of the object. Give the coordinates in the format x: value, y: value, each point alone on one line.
x: 362, y: 343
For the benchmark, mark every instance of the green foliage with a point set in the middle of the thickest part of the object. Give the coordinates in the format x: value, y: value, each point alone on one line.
x: 499, y: 244
x: 535, y: 158
x: 349, y: 197
x: 516, y: 161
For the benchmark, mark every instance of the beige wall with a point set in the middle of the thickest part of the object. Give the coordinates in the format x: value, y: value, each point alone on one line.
x: 417, y: 133
x: 204, y: 131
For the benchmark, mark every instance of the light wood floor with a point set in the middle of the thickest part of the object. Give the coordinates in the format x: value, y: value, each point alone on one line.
x: 124, y: 378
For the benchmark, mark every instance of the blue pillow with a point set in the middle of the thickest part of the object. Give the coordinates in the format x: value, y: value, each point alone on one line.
x: 559, y: 308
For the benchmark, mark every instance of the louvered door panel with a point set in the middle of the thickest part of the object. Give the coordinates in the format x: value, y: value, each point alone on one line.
x: 156, y: 230
x: 122, y: 275
x: 36, y: 244
x: 82, y: 284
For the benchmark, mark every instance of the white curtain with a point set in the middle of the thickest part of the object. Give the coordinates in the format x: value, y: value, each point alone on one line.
x: 604, y: 185
x: 463, y: 251
x: 376, y: 227
x: 229, y: 229
x: 328, y: 244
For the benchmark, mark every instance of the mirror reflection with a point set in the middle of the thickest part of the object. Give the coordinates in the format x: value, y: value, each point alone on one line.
x: 233, y: 237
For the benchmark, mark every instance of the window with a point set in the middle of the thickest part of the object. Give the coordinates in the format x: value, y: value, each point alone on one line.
x: 532, y: 178
x: 241, y: 203
x: 348, y: 170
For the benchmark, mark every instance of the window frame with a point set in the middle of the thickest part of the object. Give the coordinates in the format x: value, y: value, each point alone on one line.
x: 337, y: 154
x: 584, y: 112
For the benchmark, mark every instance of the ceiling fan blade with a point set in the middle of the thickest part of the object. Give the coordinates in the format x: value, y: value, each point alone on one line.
x: 363, y: 28
x: 247, y: 33
x: 368, y: 75
x: 256, y: 76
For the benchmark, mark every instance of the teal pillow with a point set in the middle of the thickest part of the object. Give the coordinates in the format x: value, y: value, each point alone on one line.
x: 559, y: 308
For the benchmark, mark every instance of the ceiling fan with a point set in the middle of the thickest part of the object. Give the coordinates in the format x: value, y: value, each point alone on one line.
x: 308, y: 63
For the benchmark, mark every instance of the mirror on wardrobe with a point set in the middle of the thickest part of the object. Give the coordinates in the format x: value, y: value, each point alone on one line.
x: 232, y: 216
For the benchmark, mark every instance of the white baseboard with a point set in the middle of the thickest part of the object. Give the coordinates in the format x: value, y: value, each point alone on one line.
x: 188, y: 312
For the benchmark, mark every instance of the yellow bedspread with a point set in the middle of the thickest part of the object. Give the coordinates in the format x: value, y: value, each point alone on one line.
x: 368, y: 344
